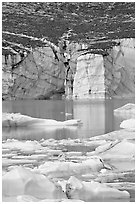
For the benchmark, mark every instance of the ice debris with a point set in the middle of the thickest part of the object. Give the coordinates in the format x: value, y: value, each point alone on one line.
x: 66, y: 169
x: 21, y: 181
x: 124, y: 149
x: 128, y: 124
x: 126, y: 110
x: 92, y: 191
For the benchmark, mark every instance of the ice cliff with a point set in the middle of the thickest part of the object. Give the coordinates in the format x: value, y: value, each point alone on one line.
x: 111, y: 74
x: 87, y: 74
x: 38, y: 76
x: 94, y: 60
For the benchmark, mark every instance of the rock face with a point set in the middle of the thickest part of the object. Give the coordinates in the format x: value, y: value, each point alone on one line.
x: 39, y: 75
x: 79, y: 71
x: 110, y: 21
x: 109, y: 75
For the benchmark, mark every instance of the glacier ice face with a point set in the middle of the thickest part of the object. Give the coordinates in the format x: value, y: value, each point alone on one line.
x: 111, y: 75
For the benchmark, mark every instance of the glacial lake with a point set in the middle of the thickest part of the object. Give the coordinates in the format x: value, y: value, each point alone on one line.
x: 97, y: 117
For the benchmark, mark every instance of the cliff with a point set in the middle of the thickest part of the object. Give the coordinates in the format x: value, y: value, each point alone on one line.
x: 39, y: 75
x: 111, y: 74
x: 82, y: 50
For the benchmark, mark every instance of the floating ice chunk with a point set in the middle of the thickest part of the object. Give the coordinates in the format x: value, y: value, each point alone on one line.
x: 95, y: 143
x: 123, y: 185
x: 6, y: 151
x: 118, y: 134
x: 68, y: 200
x: 27, y: 147
x: 106, y: 146
x: 123, y: 149
x: 21, y: 181
x: 128, y: 124
x: 90, y: 153
x: 72, y: 122
x: 13, y: 182
x: 111, y: 177
x: 16, y: 119
x: 103, y: 171
x: 127, y: 110
x: 65, y: 169
x: 54, y: 152
x: 92, y: 191
x: 27, y: 198
x: 7, y: 162
x: 31, y: 157
x: 62, y: 183
x: 73, y: 154
x: 8, y: 155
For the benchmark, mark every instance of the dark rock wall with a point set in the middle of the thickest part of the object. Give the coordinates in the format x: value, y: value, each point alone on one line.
x: 91, y: 30
x: 39, y: 76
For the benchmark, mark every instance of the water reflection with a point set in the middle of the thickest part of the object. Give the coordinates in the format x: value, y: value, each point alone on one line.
x: 22, y: 133
x: 97, y: 117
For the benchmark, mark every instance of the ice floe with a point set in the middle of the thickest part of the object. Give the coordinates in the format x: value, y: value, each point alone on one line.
x: 128, y: 124
x: 113, y: 176
x: 124, y: 149
x: 47, y: 165
x: 93, y: 191
x: 127, y: 110
x: 21, y: 181
x: 105, y: 147
x: 26, y: 147
x: 16, y: 119
x: 7, y: 162
x: 118, y: 134
x: 66, y: 169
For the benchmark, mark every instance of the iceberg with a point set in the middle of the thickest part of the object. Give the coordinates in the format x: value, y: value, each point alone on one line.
x: 124, y: 149
x: 127, y: 110
x: 115, y: 135
x: 21, y: 181
x: 105, y: 147
x: 93, y: 191
x: 16, y: 119
x: 128, y: 124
